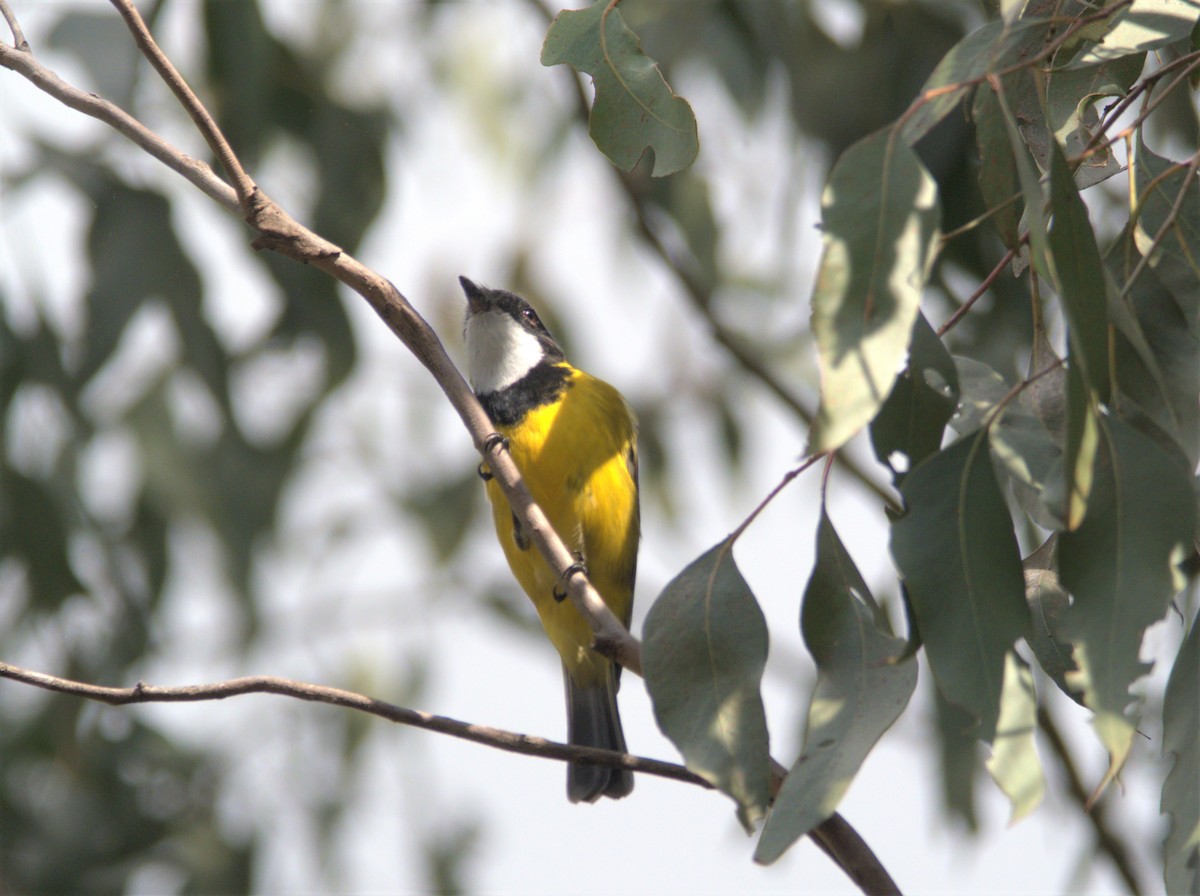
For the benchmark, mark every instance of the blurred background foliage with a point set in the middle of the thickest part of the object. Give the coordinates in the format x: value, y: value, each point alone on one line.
x: 151, y: 446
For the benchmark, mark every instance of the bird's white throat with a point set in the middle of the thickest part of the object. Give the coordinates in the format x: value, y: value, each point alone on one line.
x: 499, y: 351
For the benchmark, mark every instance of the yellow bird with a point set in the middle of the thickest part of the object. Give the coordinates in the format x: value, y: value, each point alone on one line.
x: 574, y: 439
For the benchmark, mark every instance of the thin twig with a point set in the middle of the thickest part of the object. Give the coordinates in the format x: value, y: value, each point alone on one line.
x: 991, y: 278
x: 196, y: 172
x: 524, y: 744
x: 191, y: 103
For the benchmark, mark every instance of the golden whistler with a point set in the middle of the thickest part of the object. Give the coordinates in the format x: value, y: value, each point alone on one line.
x: 574, y: 440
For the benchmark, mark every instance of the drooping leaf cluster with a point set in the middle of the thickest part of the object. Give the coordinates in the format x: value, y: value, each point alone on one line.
x: 1087, y: 460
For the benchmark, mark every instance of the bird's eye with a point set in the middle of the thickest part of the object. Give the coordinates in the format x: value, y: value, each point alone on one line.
x: 530, y: 315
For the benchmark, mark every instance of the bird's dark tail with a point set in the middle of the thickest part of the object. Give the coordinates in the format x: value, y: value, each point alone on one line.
x: 593, y: 721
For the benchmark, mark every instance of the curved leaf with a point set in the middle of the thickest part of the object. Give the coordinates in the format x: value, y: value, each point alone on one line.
x: 956, y: 549
x: 635, y: 109
x: 703, y: 653
x: 861, y: 690
x: 881, y: 214
x: 1141, y: 26
x: 1118, y: 566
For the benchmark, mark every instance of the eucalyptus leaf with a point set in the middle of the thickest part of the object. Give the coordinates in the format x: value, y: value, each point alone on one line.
x: 862, y: 687
x: 958, y: 554
x: 634, y: 109
x: 1143, y: 25
x: 880, y: 213
x: 1167, y: 227
x: 909, y: 426
x: 1119, y: 568
x: 703, y: 653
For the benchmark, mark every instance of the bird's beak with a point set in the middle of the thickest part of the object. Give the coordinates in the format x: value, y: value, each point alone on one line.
x: 476, y: 297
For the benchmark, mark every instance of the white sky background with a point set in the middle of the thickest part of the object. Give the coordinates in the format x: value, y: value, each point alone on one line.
x: 349, y: 595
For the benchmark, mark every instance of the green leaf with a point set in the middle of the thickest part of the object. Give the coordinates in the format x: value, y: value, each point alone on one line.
x: 1168, y: 224
x: 881, y: 215
x: 1071, y: 114
x: 997, y: 168
x: 634, y: 109
x: 957, y: 552
x: 1014, y: 764
x: 1181, y: 787
x: 1079, y: 278
x: 1031, y: 187
x: 1143, y: 25
x: 961, y: 68
x: 703, y: 653
x: 35, y: 526
x: 135, y: 256
x: 909, y: 426
x: 959, y: 760
x: 862, y: 688
x: 1119, y: 567
x: 1156, y: 353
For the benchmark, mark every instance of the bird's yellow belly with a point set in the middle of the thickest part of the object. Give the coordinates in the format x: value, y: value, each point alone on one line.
x: 574, y: 457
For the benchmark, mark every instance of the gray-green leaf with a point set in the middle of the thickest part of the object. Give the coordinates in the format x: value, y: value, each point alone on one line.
x: 881, y: 215
x: 635, y: 109
x: 957, y: 552
x: 1118, y: 565
x: 861, y: 690
x: 703, y: 653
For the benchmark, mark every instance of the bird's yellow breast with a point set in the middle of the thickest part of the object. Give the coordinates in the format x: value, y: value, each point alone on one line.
x: 578, y: 456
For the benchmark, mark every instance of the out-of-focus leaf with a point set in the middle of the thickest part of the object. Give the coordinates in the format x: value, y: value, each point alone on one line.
x: 35, y: 527
x: 1143, y: 25
x: 1014, y: 764
x: 635, y: 109
x: 957, y: 552
x: 135, y: 256
x: 1048, y: 600
x: 1119, y: 568
x: 1181, y: 788
x: 1072, y: 117
x: 909, y: 426
x: 89, y: 37
x: 1168, y: 224
x: 973, y: 56
x: 445, y: 510
x: 958, y: 752
x: 861, y: 690
x: 703, y: 653
x: 881, y: 216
